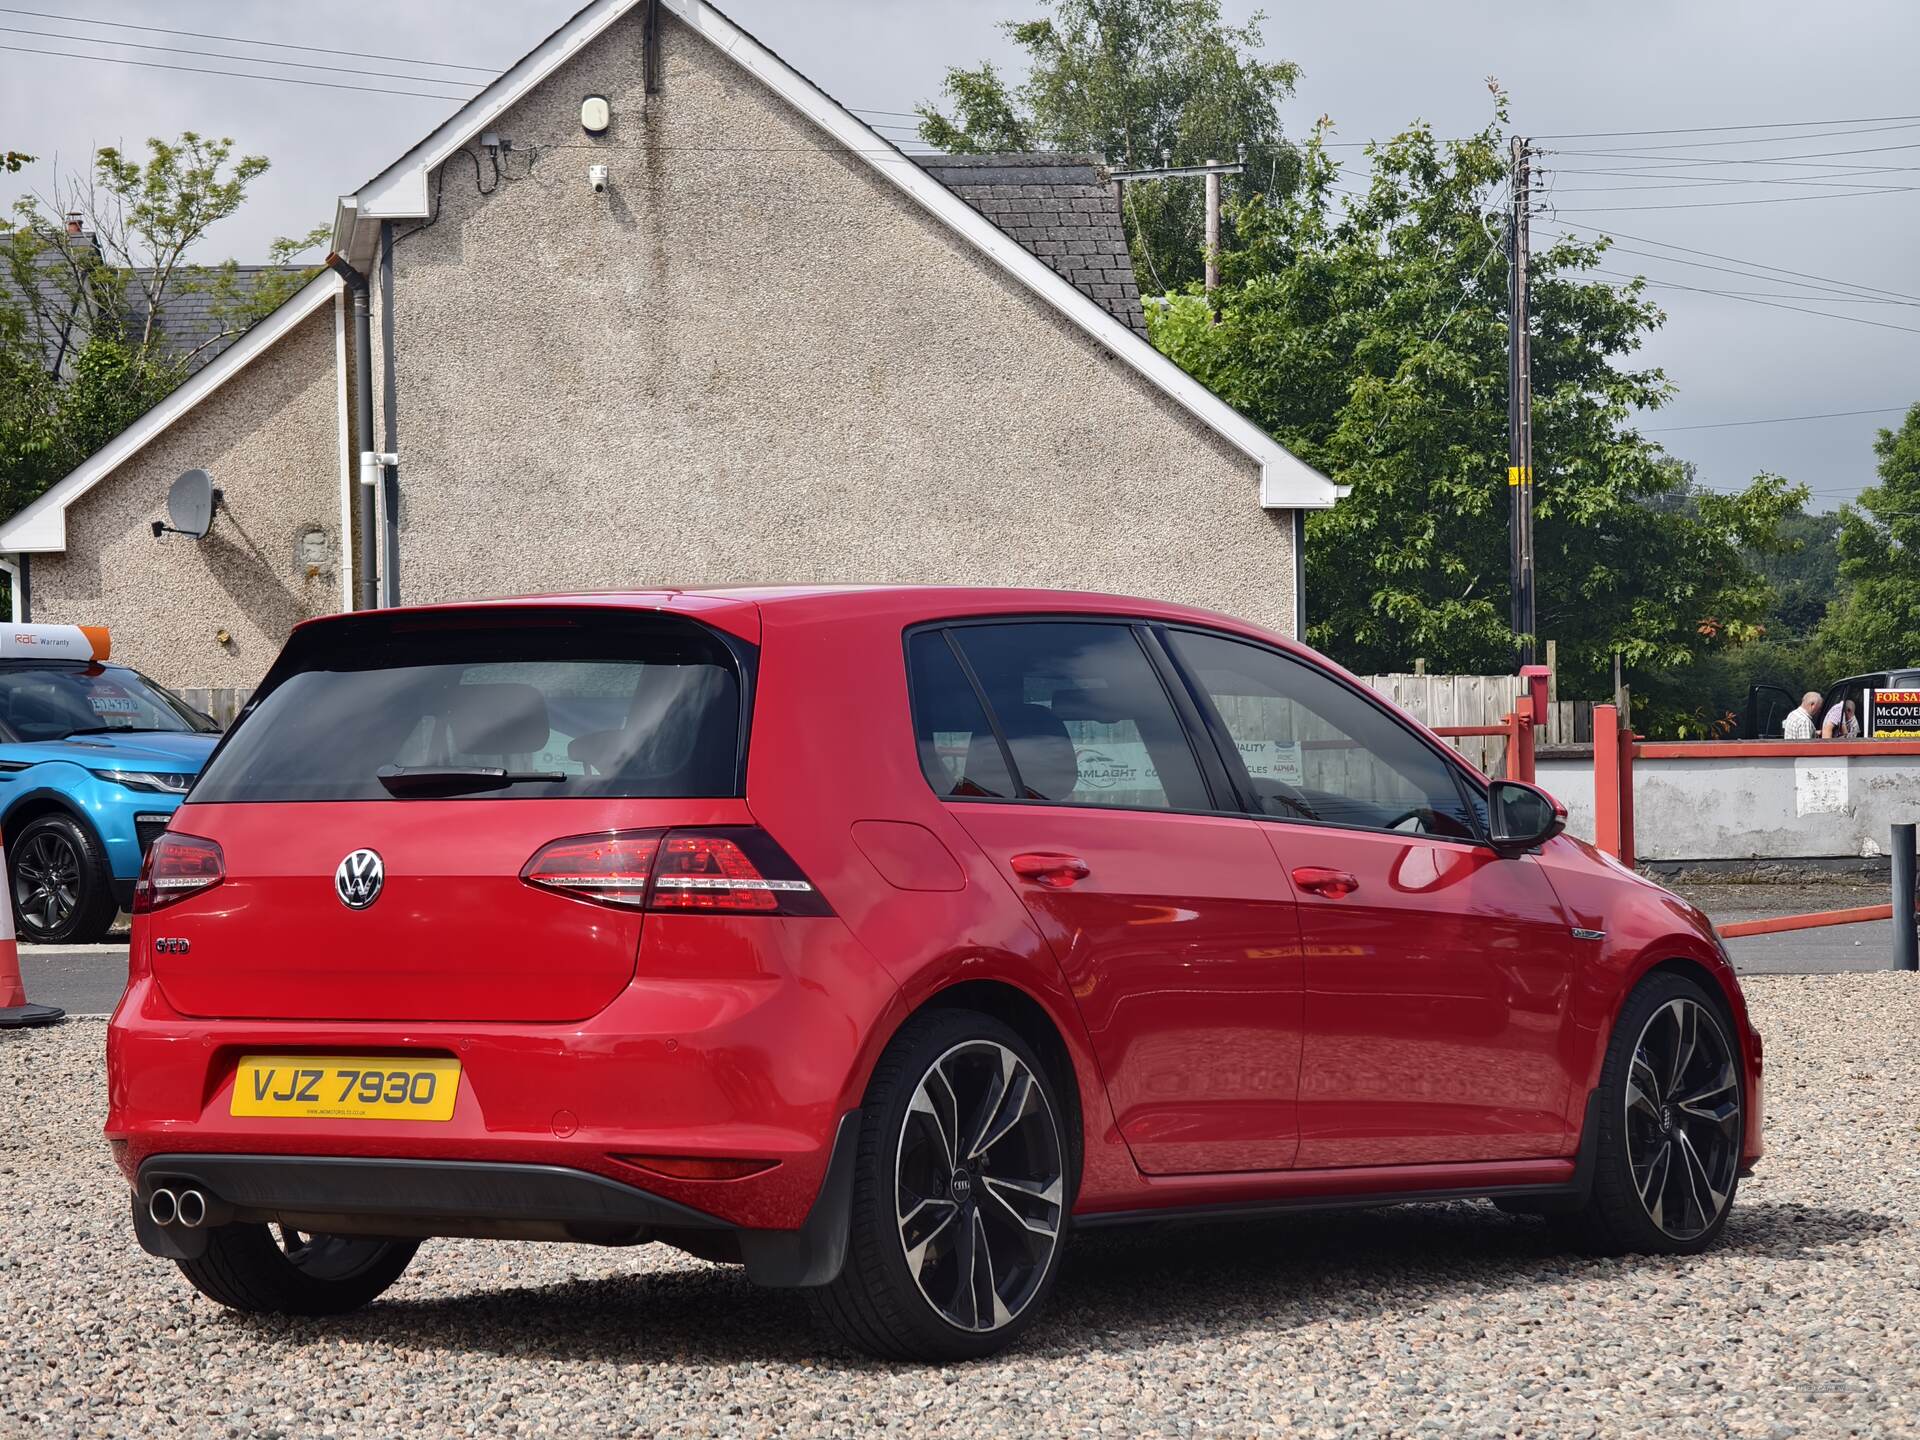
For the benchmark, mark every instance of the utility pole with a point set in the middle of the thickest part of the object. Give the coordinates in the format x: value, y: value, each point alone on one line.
x: 1520, y: 410
x: 1212, y: 170
x: 1213, y: 226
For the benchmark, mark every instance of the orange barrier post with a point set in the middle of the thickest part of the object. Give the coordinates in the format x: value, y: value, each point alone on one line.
x: 1625, y: 852
x: 1520, y: 746
x: 1778, y: 924
x: 1606, y: 778
x: 15, y: 1012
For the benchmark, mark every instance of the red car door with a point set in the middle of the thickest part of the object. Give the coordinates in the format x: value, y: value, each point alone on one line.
x: 1176, y: 931
x: 1437, y: 973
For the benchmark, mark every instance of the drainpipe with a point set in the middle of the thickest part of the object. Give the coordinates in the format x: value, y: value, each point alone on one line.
x: 389, y: 411
x: 363, y: 431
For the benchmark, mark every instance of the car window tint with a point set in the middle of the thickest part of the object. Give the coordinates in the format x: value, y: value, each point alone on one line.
x: 1085, y: 715
x: 1314, y: 750
x: 644, y: 710
x: 958, y: 752
x: 54, y: 701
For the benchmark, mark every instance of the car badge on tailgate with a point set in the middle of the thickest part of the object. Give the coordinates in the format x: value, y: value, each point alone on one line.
x: 358, y: 879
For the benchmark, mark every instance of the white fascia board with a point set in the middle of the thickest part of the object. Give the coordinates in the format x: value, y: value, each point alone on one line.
x: 41, y: 528
x: 400, y: 192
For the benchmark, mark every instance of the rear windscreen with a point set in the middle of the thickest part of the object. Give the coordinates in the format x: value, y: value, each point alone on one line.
x: 648, y: 709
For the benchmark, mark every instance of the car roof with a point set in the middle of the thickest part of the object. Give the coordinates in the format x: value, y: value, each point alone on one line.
x: 906, y: 602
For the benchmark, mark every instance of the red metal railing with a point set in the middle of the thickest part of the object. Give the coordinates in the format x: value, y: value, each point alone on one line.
x: 1616, y: 747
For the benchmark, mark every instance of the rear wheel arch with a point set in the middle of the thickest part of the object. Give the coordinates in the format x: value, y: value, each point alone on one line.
x: 1030, y: 1020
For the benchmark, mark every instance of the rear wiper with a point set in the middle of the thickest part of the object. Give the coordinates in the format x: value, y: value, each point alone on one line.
x: 458, y: 779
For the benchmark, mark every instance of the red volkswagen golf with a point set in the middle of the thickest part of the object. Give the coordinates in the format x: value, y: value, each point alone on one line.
x: 876, y: 940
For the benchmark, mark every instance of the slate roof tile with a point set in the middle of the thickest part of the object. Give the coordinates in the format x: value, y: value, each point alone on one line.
x: 1061, y: 208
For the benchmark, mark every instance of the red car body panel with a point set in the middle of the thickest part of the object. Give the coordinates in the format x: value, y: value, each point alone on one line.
x: 1231, y: 1042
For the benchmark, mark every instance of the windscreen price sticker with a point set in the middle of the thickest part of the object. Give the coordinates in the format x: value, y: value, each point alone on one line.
x: 1896, y: 715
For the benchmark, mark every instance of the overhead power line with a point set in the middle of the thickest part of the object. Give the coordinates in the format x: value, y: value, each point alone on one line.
x: 1796, y: 159
x: 236, y: 74
x: 1851, y: 178
x: 242, y: 59
x: 1770, y: 304
x: 1736, y: 260
x: 1704, y: 129
x: 1773, y: 420
x: 1724, y: 204
x: 238, y: 40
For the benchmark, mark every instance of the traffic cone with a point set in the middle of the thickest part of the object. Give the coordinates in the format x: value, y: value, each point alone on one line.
x: 15, y: 1012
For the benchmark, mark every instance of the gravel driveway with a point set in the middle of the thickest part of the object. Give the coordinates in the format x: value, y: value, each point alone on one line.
x: 1805, y: 1321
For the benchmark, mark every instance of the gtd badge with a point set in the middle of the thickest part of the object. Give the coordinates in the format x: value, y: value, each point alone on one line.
x: 358, y: 880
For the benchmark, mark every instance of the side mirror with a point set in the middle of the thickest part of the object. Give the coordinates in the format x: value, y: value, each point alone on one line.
x: 1522, y: 816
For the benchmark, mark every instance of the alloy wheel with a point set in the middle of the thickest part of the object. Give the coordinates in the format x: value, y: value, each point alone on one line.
x: 1683, y: 1118
x: 979, y: 1185
x: 46, y: 881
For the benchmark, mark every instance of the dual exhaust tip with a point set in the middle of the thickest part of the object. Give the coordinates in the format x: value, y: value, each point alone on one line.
x: 185, y: 1208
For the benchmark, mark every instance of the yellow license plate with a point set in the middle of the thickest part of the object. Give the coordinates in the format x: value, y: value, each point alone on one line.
x: 346, y: 1087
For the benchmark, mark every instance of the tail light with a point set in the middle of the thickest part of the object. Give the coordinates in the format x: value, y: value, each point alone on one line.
x: 731, y: 870
x: 612, y: 868
x: 177, y: 866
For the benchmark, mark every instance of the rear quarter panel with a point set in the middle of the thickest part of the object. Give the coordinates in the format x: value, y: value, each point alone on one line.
x: 833, y: 746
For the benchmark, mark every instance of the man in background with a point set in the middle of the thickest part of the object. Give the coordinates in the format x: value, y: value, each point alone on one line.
x: 1842, y: 722
x: 1799, y: 722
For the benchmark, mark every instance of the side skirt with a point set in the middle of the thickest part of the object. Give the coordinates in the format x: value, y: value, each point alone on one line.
x: 1557, y: 1196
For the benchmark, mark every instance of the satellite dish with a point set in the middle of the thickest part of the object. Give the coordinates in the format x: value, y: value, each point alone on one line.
x: 190, y: 505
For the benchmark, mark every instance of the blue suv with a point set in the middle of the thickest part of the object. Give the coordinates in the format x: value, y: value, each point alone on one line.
x: 94, y: 760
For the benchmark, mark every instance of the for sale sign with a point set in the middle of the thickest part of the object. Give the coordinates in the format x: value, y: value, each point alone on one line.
x: 1896, y: 715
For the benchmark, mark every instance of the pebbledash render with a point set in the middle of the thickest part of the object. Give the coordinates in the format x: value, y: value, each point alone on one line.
x: 770, y: 348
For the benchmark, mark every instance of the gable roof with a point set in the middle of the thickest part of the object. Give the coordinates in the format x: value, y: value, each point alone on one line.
x: 1063, y: 209
x: 42, y: 526
x: 401, y: 192
x: 189, y: 324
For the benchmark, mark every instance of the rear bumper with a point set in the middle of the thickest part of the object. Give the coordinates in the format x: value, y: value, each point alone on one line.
x: 728, y: 1044
x: 349, y: 1195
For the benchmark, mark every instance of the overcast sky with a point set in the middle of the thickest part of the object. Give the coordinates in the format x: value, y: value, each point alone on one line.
x: 1627, y: 65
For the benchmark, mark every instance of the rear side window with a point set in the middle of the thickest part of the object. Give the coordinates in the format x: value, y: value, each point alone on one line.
x: 958, y: 750
x: 644, y: 709
x: 1079, y: 707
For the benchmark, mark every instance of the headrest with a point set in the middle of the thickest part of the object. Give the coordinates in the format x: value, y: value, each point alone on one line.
x: 503, y: 719
x: 1042, y: 752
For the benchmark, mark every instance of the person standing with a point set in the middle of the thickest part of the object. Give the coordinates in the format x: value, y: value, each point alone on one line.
x: 1841, y: 722
x: 1799, y: 722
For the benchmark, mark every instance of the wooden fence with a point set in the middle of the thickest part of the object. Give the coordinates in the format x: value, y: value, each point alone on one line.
x: 1480, y: 700
x: 223, y: 704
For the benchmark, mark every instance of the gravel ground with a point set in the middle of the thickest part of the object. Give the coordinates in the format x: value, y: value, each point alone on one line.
x: 1444, y: 1318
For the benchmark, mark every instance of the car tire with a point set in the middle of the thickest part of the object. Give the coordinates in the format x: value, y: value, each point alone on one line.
x: 62, y: 887
x: 921, y: 1279
x: 1671, y: 1115
x: 263, y: 1270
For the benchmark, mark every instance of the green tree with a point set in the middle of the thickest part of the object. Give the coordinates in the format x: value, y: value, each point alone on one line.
x: 82, y: 354
x: 1877, y: 622
x: 1133, y: 81
x: 1368, y: 332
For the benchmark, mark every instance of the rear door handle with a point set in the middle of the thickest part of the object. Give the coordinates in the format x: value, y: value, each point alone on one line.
x: 1055, y: 871
x: 1318, y: 880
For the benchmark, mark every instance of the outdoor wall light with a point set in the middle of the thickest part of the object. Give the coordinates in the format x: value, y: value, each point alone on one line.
x: 595, y: 115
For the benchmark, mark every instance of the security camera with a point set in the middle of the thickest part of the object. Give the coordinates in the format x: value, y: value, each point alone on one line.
x: 597, y: 178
